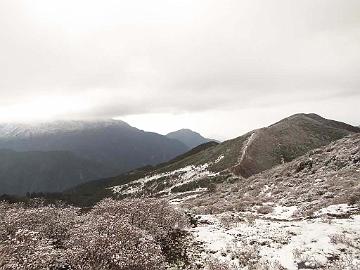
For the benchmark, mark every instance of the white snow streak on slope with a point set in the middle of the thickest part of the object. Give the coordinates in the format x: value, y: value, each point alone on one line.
x: 177, y: 178
x: 197, y: 172
x: 246, y: 146
x: 187, y: 195
x: 219, y: 159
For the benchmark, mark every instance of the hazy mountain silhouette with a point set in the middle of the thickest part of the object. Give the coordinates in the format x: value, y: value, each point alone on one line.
x: 111, y: 143
x: 22, y: 172
x: 188, y: 137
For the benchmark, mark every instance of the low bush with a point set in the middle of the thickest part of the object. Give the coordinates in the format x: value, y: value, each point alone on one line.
x: 125, y: 235
x: 265, y: 209
x: 354, y: 198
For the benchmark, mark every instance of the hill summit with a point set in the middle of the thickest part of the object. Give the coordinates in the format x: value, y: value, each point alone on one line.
x: 188, y: 137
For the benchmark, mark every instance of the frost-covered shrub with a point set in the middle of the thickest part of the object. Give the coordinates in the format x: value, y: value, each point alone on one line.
x: 354, y: 198
x: 306, y: 260
x: 27, y: 250
x: 248, y: 255
x: 211, y: 187
x: 269, y: 265
x: 265, y: 209
x: 155, y: 216
x: 124, y: 235
x: 32, y: 238
x: 103, y: 242
x: 229, y: 220
x: 215, y: 264
x: 344, y: 262
x: 345, y: 240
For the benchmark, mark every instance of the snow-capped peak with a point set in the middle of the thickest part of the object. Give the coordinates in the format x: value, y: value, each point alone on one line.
x: 10, y: 130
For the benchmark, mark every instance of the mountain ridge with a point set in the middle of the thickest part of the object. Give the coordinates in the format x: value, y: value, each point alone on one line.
x: 113, y: 143
x: 9, y: 130
x: 289, y: 138
x: 189, y: 137
x: 244, y: 156
x: 324, y: 176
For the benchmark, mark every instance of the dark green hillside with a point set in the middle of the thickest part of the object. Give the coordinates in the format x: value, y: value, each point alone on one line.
x: 35, y: 171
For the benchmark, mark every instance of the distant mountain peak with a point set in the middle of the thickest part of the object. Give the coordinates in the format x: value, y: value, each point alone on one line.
x: 185, y: 130
x: 188, y: 137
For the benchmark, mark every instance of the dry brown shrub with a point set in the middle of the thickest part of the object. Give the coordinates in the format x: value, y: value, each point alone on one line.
x: 265, y: 209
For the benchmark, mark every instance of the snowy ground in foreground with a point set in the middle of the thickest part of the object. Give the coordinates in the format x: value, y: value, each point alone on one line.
x: 293, y: 244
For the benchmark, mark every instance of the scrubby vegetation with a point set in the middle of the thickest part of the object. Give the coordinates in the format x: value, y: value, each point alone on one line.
x: 325, y: 176
x: 301, y: 214
x: 126, y: 235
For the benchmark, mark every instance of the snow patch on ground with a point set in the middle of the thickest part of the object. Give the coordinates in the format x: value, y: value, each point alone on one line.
x: 282, y: 212
x: 182, y: 197
x: 336, y: 209
x: 291, y: 243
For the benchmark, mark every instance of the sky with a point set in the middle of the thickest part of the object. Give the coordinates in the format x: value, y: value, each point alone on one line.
x: 221, y: 68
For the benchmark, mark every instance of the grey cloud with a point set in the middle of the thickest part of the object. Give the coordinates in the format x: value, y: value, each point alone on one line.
x: 181, y: 56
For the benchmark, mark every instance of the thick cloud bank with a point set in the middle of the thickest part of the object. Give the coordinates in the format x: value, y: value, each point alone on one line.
x: 237, y: 64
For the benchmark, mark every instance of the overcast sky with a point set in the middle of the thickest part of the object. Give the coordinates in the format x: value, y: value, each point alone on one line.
x: 219, y: 67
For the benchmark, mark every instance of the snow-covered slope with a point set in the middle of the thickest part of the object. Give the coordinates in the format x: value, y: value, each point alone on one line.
x: 24, y: 130
x: 324, y: 176
x: 301, y: 215
x: 239, y: 158
x: 166, y: 182
x: 253, y: 241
